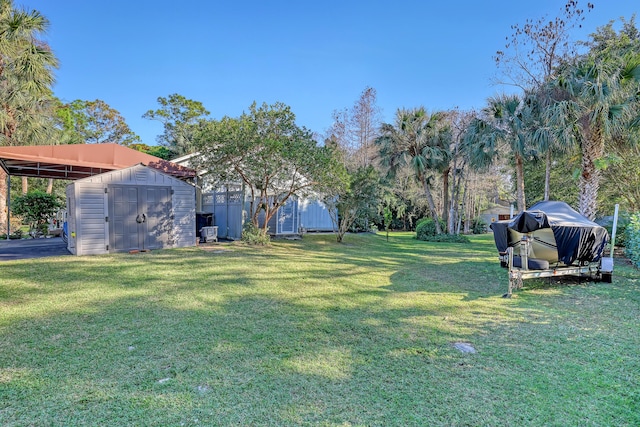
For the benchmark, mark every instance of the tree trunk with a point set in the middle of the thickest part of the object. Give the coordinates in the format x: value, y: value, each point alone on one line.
x: 454, y: 212
x: 468, y: 213
x: 445, y: 196
x: 50, y: 186
x: 588, y: 187
x: 592, y: 149
x: 547, y: 176
x: 464, y: 205
x: 267, y: 217
x: 453, y: 205
x: 453, y: 200
x: 451, y: 223
x: 469, y: 208
x: 25, y: 185
x: 520, y: 183
x: 432, y: 207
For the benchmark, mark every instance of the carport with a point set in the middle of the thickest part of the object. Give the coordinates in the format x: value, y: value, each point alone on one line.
x: 73, y: 162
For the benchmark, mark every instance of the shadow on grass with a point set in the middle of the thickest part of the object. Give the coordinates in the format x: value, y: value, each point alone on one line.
x: 300, y: 333
x: 248, y: 360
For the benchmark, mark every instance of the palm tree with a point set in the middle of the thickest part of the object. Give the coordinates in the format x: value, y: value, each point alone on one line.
x: 501, y: 130
x: 26, y: 76
x: 600, y: 97
x: 441, y: 163
x: 413, y: 141
x: 543, y: 139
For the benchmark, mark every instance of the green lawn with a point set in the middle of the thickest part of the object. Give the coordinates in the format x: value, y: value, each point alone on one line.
x: 312, y: 332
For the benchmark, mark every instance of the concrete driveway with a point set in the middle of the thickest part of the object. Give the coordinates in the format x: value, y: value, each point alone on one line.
x: 32, y: 248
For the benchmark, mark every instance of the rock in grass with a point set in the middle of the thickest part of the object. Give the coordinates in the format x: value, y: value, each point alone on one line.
x: 464, y: 347
x: 203, y: 389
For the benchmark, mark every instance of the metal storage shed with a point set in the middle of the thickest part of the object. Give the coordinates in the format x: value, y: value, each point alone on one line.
x: 137, y: 208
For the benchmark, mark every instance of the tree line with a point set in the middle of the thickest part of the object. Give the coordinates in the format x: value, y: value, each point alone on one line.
x: 568, y: 130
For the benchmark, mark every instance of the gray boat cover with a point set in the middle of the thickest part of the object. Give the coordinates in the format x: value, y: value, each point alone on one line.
x: 577, y: 238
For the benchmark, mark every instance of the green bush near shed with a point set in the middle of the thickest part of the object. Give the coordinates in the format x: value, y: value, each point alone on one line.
x: 426, y: 231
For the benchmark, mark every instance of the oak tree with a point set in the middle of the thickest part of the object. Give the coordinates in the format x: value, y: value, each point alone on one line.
x: 269, y: 154
x: 179, y: 117
x: 95, y: 122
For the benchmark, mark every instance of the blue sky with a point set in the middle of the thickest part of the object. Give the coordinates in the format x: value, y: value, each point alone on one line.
x: 314, y: 56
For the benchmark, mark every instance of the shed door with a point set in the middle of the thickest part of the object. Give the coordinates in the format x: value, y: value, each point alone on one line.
x: 140, y: 217
x: 286, y: 218
x: 158, y: 222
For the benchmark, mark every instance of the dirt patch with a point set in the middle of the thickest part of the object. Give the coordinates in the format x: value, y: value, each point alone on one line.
x: 215, y: 248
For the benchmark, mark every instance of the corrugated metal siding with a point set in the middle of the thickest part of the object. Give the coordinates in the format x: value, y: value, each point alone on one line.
x: 314, y: 216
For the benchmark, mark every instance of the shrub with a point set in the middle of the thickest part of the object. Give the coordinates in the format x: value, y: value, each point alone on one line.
x: 426, y: 231
x: 16, y: 224
x: 16, y: 230
x: 16, y: 235
x: 363, y: 224
x: 621, y: 230
x: 478, y: 226
x: 421, y: 220
x: 633, y: 239
x: 36, y: 207
x: 253, y: 235
x: 426, y: 227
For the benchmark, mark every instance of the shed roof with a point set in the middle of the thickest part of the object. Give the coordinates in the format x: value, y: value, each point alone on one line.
x: 80, y: 161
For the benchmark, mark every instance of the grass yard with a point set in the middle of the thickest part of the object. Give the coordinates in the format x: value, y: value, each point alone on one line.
x: 313, y: 333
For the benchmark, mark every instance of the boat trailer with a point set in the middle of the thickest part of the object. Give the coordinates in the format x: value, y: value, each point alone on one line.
x: 601, y: 270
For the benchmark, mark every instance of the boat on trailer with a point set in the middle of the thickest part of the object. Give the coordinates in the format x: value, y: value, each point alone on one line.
x: 552, y: 239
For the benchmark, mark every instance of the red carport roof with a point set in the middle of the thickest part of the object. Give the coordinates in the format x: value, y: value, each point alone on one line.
x: 77, y: 161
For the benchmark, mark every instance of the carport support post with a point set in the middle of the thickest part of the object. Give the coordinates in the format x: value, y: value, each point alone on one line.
x: 8, y: 205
